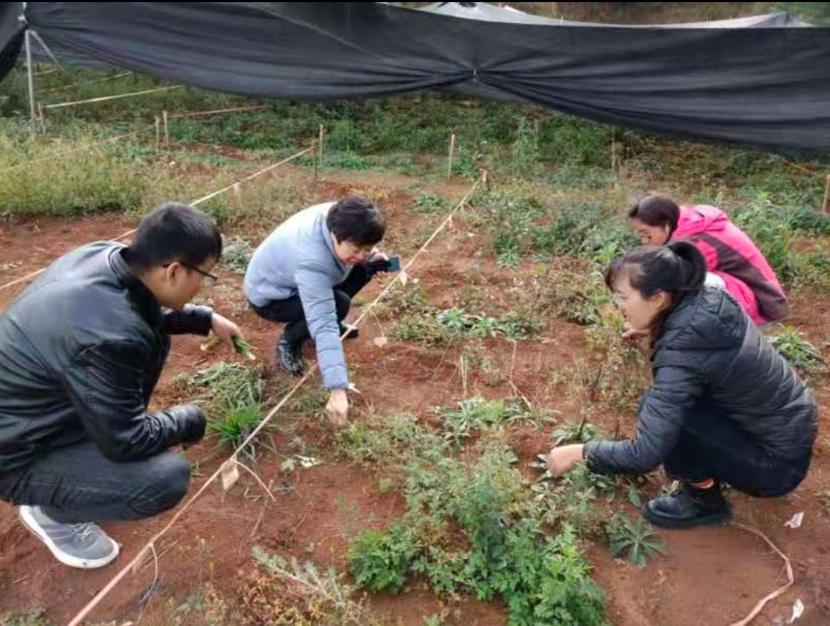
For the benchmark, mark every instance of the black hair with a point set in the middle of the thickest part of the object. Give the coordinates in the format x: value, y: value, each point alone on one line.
x: 675, y: 269
x: 656, y: 211
x: 174, y: 232
x: 356, y: 219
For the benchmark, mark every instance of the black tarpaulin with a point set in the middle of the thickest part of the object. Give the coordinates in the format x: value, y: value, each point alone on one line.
x: 762, y: 81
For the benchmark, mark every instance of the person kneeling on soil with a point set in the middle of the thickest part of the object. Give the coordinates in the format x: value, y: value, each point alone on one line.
x: 724, y: 406
x: 81, y: 351
x: 306, y: 273
x: 732, y: 258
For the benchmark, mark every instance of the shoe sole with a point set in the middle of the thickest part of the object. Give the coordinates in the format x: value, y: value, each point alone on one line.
x: 33, y: 527
x: 715, y: 519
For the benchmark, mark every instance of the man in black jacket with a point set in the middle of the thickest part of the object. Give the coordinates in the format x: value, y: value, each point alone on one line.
x: 81, y: 351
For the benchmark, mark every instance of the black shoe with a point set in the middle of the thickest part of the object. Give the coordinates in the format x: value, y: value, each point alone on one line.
x: 687, y: 507
x: 289, y: 356
x: 353, y: 331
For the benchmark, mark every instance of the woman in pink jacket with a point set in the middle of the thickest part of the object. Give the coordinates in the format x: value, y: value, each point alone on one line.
x: 730, y: 254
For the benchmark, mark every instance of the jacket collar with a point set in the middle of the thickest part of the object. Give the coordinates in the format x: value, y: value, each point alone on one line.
x: 141, y: 298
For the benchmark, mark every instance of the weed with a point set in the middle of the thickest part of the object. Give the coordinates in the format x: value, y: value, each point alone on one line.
x: 430, y: 204
x: 636, y: 540
x: 380, y: 561
x: 459, y: 323
x: 478, y: 415
x: 800, y: 353
x: 422, y: 329
x: 324, y: 597
x: 30, y: 617
x: 543, y: 581
x: 236, y: 254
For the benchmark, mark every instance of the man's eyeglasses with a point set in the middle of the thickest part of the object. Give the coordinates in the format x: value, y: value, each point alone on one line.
x: 210, y: 278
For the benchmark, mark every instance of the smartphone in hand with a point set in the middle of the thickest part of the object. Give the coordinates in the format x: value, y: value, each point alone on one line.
x: 392, y: 265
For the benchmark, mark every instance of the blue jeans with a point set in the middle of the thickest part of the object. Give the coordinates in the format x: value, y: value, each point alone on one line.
x: 78, y: 484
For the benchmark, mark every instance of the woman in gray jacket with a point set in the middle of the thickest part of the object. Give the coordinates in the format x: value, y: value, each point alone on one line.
x: 305, y: 274
x: 724, y: 406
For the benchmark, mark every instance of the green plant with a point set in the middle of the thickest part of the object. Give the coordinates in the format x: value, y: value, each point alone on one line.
x: 772, y: 233
x: 243, y: 348
x: 380, y: 561
x: 423, y: 329
x: 236, y: 396
x: 229, y: 384
x: 636, y: 540
x: 544, y: 581
x: 30, y: 617
x: 801, y: 354
x: 459, y: 323
x: 236, y: 254
x: 431, y: 204
x: 49, y: 182
x: 578, y: 295
x: 324, y: 597
x: 477, y: 415
x: 233, y: 424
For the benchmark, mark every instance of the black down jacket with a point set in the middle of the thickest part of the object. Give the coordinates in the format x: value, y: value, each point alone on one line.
x: 81, y: 351
x: 710, y: 352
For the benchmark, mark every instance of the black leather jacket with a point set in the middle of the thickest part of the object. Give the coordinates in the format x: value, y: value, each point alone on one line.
x: 81, y: 351
x: 710, y: 352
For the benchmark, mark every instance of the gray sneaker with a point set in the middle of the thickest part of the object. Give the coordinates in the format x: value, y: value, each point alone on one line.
x: 85, y: 546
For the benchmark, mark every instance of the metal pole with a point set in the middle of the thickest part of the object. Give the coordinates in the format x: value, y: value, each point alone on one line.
x: 31, y: 69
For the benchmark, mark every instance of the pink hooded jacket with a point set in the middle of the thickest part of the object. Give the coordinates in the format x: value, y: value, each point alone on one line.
x: 733, y: 256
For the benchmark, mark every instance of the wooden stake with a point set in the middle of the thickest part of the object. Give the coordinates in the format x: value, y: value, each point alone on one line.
x: 827, y: 195
x: 158, y: 132
x: 452, y: 155
x: 320, y: 142
x: 314, y: 160
x: 166, y: 129
x: 41, y: 118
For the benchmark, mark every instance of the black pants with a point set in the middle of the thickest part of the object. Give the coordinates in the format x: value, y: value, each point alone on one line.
x: 712, y: 446
x: 290, y: 310
x: 78, y: 484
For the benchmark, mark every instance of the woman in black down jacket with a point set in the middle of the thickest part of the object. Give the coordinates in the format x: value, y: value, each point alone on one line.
x: 724, y: 406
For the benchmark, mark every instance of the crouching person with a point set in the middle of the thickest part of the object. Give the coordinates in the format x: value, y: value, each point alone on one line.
x: 305, y: 275
x: 724, y: 406
x: 81, y: 351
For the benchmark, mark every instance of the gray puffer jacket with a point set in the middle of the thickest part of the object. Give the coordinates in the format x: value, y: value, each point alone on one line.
x: 710, y: 352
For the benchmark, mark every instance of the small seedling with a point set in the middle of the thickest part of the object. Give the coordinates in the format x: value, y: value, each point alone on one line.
x: 637, y: 540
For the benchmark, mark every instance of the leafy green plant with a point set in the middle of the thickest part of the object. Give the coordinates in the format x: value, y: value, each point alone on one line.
x: 430, y: 204
x: 236, y: 254
x: 380, y: 561
x: 636, y: 540
x: 543, y: 580
x: 423, y: 329
x: 802, y: 355
x: 30, y: 617
x: 459, y: 323
x: 477, y: 415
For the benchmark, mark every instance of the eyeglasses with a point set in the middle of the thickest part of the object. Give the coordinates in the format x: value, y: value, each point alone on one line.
x: 210, y: 277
